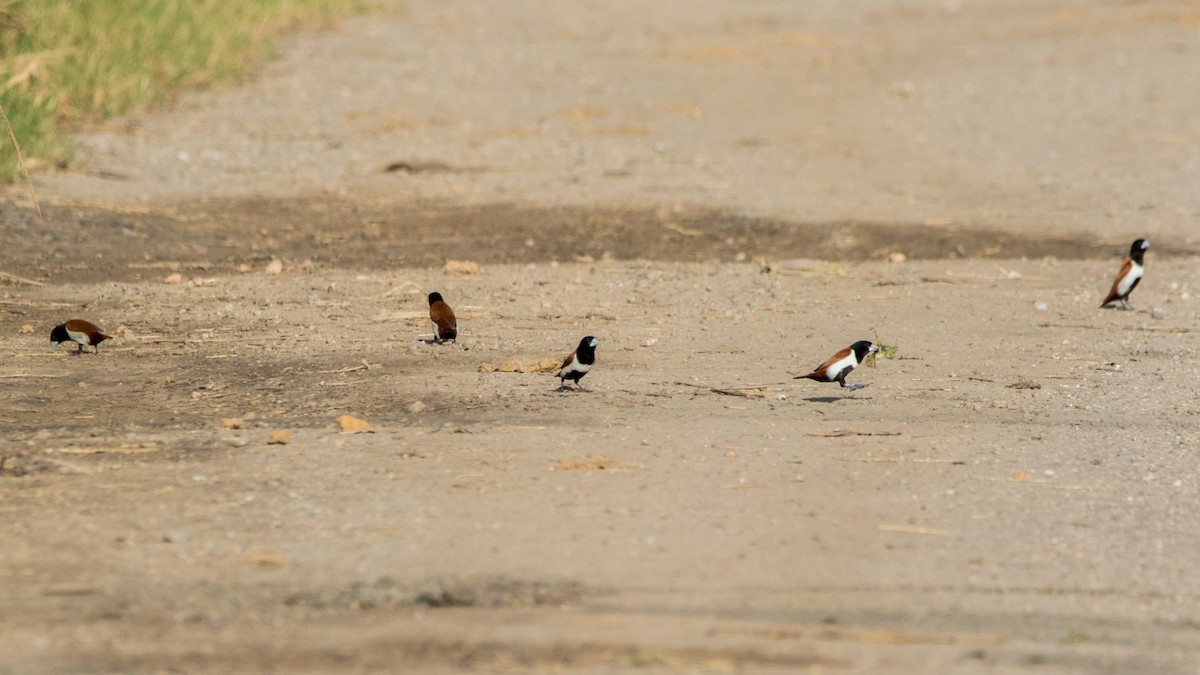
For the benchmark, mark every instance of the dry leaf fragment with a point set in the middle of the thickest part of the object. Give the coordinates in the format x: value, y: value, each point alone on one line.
x: 680, y: 229
x: 274, y: 267
x: 280, y: 437
x: 26, y: 328
x: 266, y: 560
x: 231, y: 423
x: 353, y: 425
x: 543, y: 366
x: 461, y: 267
x: 174, y: 278
x: 587, y: 464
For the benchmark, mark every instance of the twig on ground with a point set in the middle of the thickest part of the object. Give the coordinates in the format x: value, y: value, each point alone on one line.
x: 20, y: 280
x: 723, y: 392
x: 913, y: 529
x: 901, y: 460
x: 838, y: 433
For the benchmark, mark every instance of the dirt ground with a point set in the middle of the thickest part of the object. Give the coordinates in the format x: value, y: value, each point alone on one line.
x: 724, y: 193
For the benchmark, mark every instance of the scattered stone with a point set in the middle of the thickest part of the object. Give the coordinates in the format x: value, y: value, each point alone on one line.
x: 174, y: 278
x: 175, y: 536
x: 1157, y: 313
x: 280, y: 437
x: 274, y: 267
x: 416, y: 407
x: 231, y: 423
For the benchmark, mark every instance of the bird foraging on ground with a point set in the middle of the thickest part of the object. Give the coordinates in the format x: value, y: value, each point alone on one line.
x: 84, y: 333
x: 1129, y: 276
x: 838, y: 366
x: 445, y: 326
x: 578, y: 363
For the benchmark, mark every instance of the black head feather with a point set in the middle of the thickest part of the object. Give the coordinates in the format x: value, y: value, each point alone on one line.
x: 435, y: 297
x: 1138, y: 249
x: 862, y: 348
x: 586, y: 352
x: 59, y: 335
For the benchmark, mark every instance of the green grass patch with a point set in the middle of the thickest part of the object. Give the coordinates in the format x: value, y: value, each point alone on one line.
x: 64, y: 63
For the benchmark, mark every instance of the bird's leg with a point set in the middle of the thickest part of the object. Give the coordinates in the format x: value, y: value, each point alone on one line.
x: 852, y: 387
x: 1125, y: 305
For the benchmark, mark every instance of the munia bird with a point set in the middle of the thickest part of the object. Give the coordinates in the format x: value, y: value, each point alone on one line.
x: 578, y: 363
x: 83, y: 333
x: 1129, y: 276
x: 445, y: 326
x: 838, y: 366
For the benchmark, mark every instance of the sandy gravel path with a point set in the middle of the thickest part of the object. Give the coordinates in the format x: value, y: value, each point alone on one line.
x: 724, y: 193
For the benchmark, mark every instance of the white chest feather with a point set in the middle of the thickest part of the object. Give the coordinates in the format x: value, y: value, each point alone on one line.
x: 576, y: 367
x: 82, y: 338
x: 1131, y: 277
x: 842, y: 364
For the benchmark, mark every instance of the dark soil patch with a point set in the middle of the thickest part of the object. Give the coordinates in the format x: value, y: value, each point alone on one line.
x: 91, y: 244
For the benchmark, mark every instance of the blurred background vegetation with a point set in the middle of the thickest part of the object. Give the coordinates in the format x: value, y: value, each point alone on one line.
x: 64, y: 63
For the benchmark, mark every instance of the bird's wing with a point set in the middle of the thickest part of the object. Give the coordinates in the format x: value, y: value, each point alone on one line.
x: 566, y: 362
x: 441, y: 314
x: 834, y: 359
x: 1115, y: 292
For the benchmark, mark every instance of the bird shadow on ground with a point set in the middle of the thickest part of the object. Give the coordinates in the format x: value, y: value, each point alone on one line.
x: 828, y: 399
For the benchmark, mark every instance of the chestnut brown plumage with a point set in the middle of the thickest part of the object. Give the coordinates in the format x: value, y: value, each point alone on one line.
x: 445, y: 325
